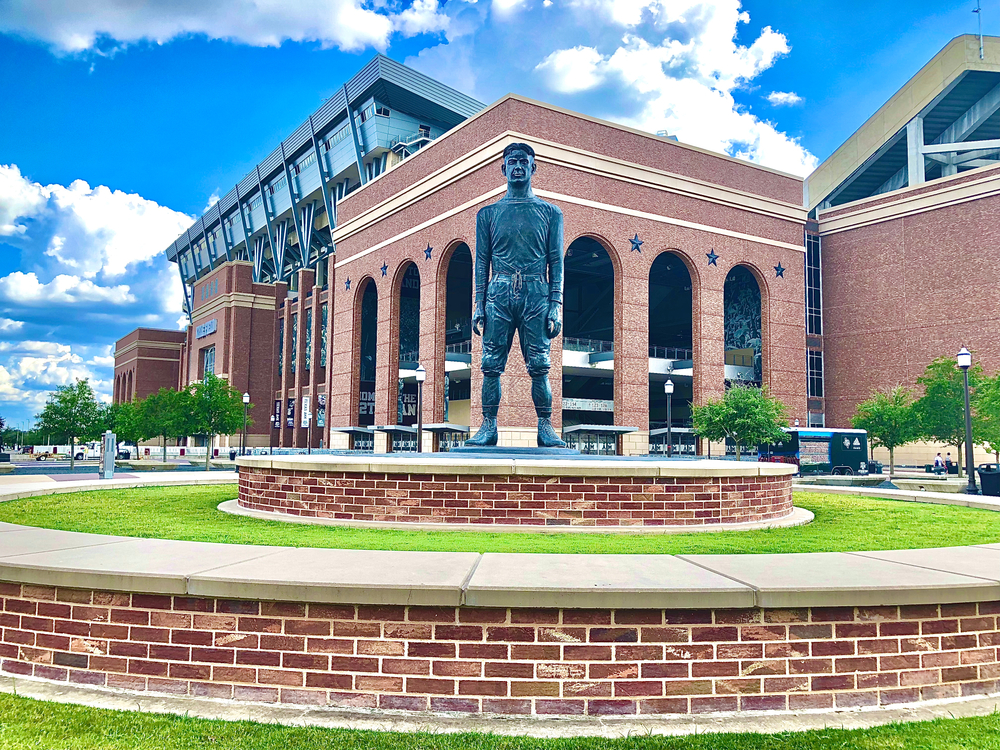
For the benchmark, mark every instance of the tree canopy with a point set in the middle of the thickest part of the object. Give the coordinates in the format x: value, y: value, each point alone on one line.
x: 71, y: 413
x: 216, y: 409
x: 746, y: 415
x: 890, y: 420
x: 941, y: 410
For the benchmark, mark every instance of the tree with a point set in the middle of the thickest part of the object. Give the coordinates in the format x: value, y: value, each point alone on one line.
x: 889, y: 418
x: 217, y: 409
x: 3, y: 431
x: 747, y: 415
x: 123, y: 420
x: 163, y: 414
x: 988, y: 412
x: 941, y: 410
x: 71, y: 413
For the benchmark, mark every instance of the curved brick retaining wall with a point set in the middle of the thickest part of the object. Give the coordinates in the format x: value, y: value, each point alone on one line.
x: 496, y: 660
x: 578, y: 493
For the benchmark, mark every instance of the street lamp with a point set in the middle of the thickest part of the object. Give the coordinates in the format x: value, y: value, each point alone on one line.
x: 421, y: 377
x: 243, y: 441
x: 796, y: 423
x: 668, y: 389
x: 964, y: 358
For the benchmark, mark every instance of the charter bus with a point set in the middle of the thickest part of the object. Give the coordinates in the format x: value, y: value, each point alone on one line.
x: 819, y: 451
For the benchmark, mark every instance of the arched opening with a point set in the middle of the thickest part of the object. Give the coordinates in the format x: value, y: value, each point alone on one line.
x: 130, y: 388
x: 588, y: 344
x: 743, y: 340
x: 458, y: 346
x: 367, y: 350
x: 671, y: 357
x: 409, y: 357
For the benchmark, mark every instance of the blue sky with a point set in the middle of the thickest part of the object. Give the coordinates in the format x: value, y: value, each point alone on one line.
x: 122, y: 120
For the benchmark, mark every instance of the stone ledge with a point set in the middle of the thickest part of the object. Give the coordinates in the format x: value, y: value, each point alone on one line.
x: 443, y: 463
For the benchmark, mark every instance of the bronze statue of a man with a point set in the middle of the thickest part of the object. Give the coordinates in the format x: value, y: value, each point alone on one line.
x: 519, y: 287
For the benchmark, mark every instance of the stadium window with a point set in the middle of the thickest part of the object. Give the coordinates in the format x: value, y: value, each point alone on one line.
x: 322, y: 335
x: 814, y: 291
x: 208, y: 361
x: 815, y: 370
x: 309, y: 338
x: 381, y: 110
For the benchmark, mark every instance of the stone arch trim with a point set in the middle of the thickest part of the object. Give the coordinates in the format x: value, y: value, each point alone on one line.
x: 395, y: 309
x: 440, y: 310
x: 765, y: 317
x: 696, y: 311
x: 356, y: 302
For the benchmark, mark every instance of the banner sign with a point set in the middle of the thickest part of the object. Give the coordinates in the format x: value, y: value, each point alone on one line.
x: 321, y: 410
x: 276, y: 417
x: 206, y: 329
x: 290, y: 417
x: 306, y: 411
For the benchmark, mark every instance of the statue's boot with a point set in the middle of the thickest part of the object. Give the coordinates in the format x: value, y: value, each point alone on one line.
x: 487, y: 434
x: 547, y: 437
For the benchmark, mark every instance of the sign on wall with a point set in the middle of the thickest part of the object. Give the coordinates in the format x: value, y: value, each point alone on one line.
x: 290, y: 417
x: 366, y: 403
x: 276, y: 417
x: 306, y: 410
x: 206, y: 329
x: 407, y: 404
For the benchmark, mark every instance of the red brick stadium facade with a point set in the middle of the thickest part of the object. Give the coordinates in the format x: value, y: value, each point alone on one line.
x: 537, y: 500
x: 903, y: 276
x: 504, y: 661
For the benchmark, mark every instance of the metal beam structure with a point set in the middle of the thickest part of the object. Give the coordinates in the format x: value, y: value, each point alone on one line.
x: 405, y: 102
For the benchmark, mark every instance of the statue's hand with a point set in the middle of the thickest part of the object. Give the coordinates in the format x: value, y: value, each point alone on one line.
x: 478, y: 320
x: 553, y: 324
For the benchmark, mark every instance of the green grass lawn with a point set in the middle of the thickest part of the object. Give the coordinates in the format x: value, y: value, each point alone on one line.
x: 842, y: 523
x: 27, y: 723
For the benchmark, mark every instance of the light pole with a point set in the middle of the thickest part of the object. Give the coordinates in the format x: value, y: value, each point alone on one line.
x: 668, y: 389
x: 421, y: 377
x: 243, y: 439
x: 964, y: 358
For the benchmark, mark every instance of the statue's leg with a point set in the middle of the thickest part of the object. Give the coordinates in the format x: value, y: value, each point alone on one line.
x: 497, y: 338
x: 535, y: 346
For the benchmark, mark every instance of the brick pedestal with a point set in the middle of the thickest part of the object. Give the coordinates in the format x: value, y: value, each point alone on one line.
x: 450, y: 496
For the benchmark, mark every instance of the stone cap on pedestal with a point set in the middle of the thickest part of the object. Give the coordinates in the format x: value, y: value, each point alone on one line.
x: 444, y: 463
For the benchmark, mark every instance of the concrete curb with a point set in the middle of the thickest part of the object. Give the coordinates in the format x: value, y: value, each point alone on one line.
x: 798, y: 517
x: 385, y: 720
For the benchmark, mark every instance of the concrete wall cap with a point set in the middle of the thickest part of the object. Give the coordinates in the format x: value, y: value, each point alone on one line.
x: 445, y: 464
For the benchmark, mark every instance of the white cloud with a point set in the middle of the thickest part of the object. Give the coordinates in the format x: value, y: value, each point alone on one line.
x: 688, y: 85
x: 25, y: 289
x: 422, y: 17
x: 93, y: 230
x: 784, y: 98
x: 675, y: 65
x: 19, y: 199
x: 78, y: 25
x: 9, y: 326
x: 212, y: 200
x: 571, y: 70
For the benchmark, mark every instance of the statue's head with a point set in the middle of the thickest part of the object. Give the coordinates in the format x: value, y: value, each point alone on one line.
x: 518, y: 164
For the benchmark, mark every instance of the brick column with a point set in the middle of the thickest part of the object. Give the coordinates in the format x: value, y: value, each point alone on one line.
x: 632, y: 350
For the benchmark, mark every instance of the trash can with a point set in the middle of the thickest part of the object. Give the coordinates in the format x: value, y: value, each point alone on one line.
x: 874, y: 467
x: 989, y: 479
x: 232, y: 455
